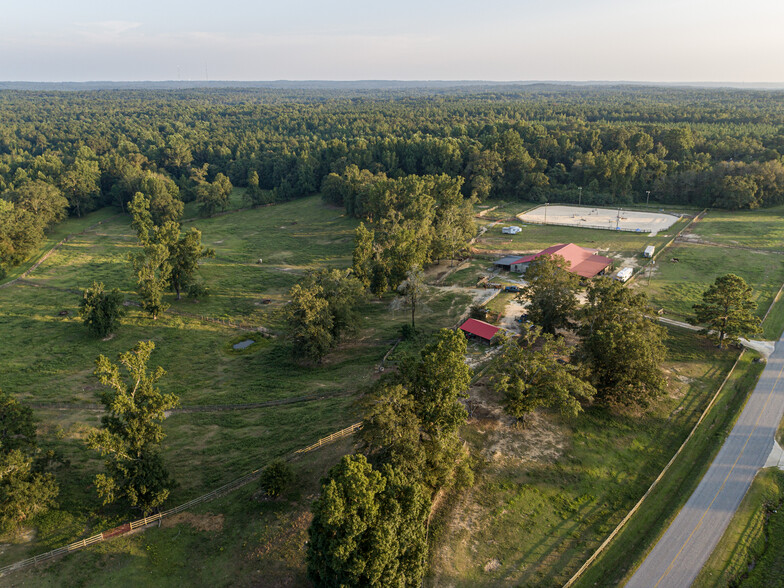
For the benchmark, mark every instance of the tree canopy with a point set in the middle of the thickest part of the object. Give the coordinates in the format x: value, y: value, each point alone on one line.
x: 131, y: 433
x: 424, y: 153
x: 101, y: 309
x: 727, y: 308
x: 534, y: 371
x: 621, y: 349
x: 551, y: 293
x: 25, y: 490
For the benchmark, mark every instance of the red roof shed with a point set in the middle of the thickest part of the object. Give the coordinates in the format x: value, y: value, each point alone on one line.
x: 481, y: 329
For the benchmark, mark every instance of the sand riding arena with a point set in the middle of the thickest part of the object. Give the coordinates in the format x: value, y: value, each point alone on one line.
x: 615, y: 219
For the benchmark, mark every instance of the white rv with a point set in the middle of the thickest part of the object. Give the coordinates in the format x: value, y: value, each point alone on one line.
x: 624, y: 274
x: 649, y: 251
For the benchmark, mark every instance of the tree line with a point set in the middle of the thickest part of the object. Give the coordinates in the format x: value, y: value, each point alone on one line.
x: 695, y: 147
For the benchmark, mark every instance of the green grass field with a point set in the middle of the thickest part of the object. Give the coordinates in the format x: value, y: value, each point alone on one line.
x: 547, y: 496
x: 51, y: 359
x: 676, y: 287
x: 758, y: 229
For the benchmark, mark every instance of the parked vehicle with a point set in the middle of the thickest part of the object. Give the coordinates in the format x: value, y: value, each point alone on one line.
x: 512, y: 289
x: 624, y: 274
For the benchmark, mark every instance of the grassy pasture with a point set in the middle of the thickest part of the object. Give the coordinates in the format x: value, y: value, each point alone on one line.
x: 237, y: 540
x: 46, y: 357
x: 676, y: 287
x: 757, y: 229
x: 546, y: 496
x: 58, y: 232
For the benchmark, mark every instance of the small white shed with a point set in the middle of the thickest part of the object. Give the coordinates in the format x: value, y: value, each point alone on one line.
x: 649, y: 251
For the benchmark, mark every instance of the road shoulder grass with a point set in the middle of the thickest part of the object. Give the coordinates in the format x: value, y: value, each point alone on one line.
x: 629, y: 548
x: 751, y: 551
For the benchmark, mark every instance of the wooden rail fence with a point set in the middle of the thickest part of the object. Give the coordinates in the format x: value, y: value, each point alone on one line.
x: 333, y: 437
x: 655, y: 483
x: 145, y: 521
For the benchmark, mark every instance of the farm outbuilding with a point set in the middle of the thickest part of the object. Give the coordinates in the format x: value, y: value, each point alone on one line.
x: 649, y: 251
x: 582, y: 261
x: 479, y: 329
x: 505, y: 263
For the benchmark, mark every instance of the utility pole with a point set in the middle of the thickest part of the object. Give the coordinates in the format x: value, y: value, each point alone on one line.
x: 580, y: 201
x: 545, y: 213
x: 618, y: 220
x: 648, y: 197
x: 650, y: 270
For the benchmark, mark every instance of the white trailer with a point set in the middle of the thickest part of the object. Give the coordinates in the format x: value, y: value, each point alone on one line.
x: 624, y: 274
x: 513, y: 230
x: 649, y: 251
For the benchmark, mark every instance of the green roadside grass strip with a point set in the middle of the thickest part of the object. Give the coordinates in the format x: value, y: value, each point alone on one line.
x: 773, y: 325
x: 640, y: 534
x: 751, y: 535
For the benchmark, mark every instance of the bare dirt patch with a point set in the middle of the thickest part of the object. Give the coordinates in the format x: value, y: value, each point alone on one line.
x: 492, y: 565
x: 505, y: 440
x: 200, y: 522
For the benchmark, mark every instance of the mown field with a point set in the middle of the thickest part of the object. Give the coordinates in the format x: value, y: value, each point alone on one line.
x: 545, y: 495
x: 49, y: 358
x: 758, y: 229
x: 677, y: 286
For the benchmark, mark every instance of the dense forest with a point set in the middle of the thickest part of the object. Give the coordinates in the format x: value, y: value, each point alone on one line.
x: 67, y: 153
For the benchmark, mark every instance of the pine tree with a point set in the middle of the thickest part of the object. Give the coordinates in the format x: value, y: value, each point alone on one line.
x: 727, y: 308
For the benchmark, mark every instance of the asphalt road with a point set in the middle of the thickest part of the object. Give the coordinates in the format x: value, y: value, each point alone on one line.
x: 680, y: 554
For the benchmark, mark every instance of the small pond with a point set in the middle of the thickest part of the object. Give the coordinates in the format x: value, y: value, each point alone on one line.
x: 243, y: 344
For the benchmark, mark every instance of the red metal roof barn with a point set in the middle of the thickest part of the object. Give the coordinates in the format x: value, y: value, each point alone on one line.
x: 479, y: 329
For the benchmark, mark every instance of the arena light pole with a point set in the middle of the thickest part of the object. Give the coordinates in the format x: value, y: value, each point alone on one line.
x: 648, y: 197
x: 580, y: 201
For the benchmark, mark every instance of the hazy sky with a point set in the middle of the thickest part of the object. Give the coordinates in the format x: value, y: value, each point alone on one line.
x: 646, y: 40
